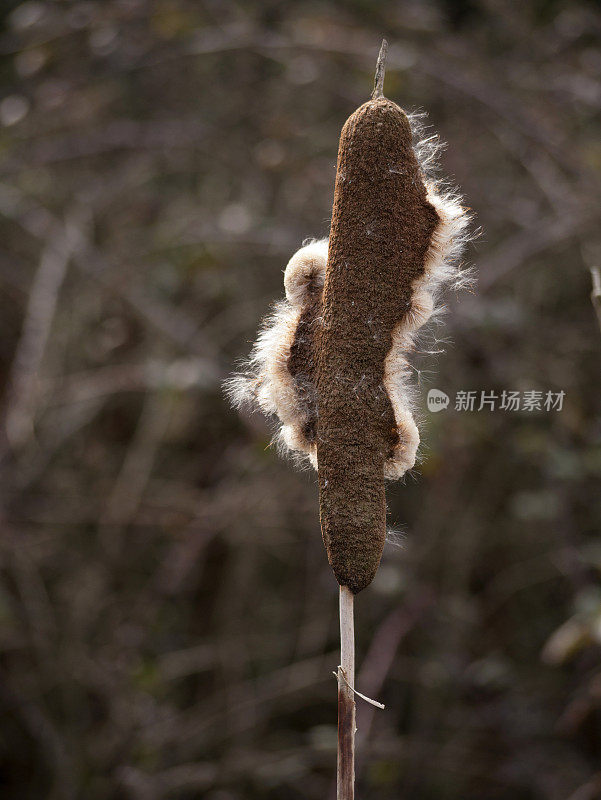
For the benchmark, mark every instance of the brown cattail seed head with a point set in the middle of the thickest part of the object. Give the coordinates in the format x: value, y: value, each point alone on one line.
x: 381, y: 229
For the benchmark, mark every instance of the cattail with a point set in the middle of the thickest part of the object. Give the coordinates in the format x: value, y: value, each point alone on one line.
x: 332, y: 361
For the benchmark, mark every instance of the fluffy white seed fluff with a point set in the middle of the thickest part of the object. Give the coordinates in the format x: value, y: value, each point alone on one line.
x: 266, y: 381
x: 306, y: 272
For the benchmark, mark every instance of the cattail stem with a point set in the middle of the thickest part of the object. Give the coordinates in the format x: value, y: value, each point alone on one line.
x: 346, y: 700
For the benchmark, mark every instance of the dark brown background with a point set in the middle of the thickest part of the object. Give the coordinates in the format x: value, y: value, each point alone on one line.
x: 167, y: 615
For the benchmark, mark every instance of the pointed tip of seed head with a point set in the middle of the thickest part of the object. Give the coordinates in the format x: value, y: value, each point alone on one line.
x: 380, y: 72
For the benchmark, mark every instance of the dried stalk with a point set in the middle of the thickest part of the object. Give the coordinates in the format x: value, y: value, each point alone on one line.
x: 380, y: 71
x: 346, y: 700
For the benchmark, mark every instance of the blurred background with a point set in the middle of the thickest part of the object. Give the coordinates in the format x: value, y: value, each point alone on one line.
x: 168, y: 619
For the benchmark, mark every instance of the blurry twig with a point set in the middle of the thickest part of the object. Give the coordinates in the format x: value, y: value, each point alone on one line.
x: 438, y: 66
x: 53, y: 432
x: 532, y: 242
x: 39, y: 314
x: 279, y: 684
x: 544, y: 170
x: 120, y: 134
x: 173, y: 323
x: 137, y: 467
x: 39, y: 612
x: 179, y: 664
x: 380, y: 656
x: 179, y: 374
x: 522, y: 575
x: 596, y: 292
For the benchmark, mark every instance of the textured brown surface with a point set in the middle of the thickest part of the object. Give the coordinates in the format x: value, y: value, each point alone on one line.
x: 381, y: 227
x: 302, y: 362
